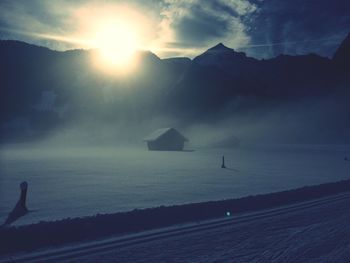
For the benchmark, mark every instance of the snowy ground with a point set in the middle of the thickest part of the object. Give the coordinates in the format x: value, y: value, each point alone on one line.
x: 314, y: 235
x: 310, y: 231
x: 71, y: 182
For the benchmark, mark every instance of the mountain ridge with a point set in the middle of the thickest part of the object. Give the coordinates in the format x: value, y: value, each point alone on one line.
x: 220, y: 47
x: 342, y: 55
x: 217, y: 84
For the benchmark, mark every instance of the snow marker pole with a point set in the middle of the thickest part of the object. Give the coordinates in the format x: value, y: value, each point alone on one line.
x: 223, y: 162
x: 23, y: 197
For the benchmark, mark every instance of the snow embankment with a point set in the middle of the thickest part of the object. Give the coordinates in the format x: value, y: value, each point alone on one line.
x: 15, y: 239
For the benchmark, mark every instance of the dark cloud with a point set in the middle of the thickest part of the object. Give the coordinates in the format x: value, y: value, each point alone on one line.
x: 199, y: 27
x: 300, y: 26
x: 205, y: 23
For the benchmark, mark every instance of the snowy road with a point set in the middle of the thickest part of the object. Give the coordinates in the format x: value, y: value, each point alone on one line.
x: 314, y: 231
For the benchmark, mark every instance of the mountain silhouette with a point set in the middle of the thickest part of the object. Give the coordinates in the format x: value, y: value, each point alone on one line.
x: 42, y: 89
x: 223, y: 57
x: 342, y: 55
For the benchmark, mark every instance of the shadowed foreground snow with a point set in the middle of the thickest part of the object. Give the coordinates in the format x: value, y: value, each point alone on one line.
x: 69, y: 182
x: 315, y: 235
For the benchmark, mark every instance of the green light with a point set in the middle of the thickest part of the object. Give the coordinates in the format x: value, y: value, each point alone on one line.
x: 228, y: 213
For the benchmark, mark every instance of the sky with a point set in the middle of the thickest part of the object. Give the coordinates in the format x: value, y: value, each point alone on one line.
x: 172, y: 28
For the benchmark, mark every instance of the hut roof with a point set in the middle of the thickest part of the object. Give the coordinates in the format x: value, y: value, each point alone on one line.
x: 161, y: 132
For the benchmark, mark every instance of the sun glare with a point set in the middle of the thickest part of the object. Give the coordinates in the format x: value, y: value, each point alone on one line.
x: 115, y: 32
x: 117, y: 43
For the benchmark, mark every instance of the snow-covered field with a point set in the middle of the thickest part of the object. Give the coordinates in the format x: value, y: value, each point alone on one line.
x: 70, y: 182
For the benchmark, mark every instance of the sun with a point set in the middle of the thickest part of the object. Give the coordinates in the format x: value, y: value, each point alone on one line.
x: 117, y: 43
x: 114, y: 33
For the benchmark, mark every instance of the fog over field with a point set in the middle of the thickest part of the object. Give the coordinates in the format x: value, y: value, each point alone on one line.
x: 320, y: 120
x: 92, y: 166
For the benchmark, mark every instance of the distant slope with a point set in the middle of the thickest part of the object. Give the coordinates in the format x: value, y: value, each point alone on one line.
x: 43, y: 89
x: 342, y: 55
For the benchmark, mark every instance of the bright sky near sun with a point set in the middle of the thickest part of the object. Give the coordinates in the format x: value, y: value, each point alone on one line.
x: 173, y: 28
x: 118, y: 28
x: 117, y: 42
x: 116, y: 31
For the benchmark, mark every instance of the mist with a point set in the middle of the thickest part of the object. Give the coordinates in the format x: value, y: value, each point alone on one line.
x: 320, y: 120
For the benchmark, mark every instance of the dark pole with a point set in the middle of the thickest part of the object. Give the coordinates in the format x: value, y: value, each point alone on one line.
x: 23, y: 197
x: 223, y: 162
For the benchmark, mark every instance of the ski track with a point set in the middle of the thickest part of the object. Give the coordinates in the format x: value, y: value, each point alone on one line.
x: 314, y: 231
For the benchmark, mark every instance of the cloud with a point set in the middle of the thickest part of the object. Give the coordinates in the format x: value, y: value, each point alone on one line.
x: 63, y: 24
x: 201, y: 24
x: 299, y: 26
x: 176, y: 27
x: 261, y: 28
x: 29, y: 21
